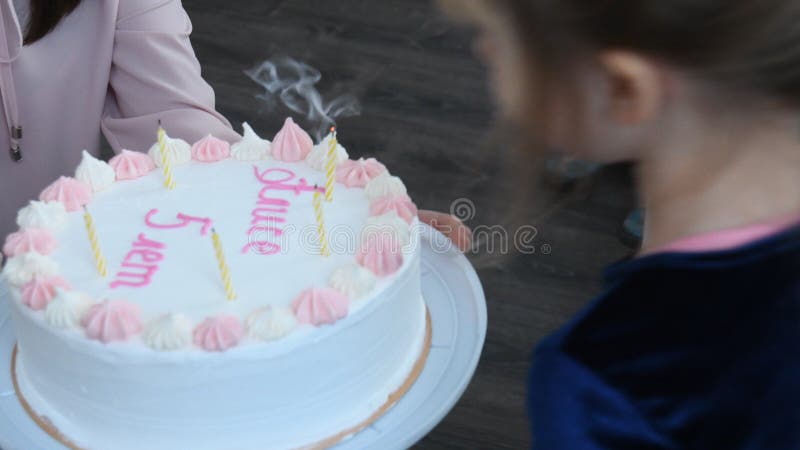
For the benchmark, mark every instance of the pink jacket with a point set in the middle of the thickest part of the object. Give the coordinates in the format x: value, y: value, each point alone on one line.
x: 112, y: 65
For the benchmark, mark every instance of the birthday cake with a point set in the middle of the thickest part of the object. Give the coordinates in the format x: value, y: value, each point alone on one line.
x: 209, y: 296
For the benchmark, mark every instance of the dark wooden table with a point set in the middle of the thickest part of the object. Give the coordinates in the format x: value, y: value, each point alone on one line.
x: 427, y: 115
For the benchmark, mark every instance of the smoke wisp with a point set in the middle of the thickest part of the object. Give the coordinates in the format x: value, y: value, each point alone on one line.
x: 294, y: 84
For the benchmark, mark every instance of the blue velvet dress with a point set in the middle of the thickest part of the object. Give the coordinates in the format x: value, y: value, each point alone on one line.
x: 681, y: 351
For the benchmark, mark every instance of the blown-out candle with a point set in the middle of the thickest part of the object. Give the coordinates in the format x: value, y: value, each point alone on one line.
x: 224, y: 269
x: 330, y: 166
x: 166, y: 163
x: 323, y: 236
x: 94, y: 241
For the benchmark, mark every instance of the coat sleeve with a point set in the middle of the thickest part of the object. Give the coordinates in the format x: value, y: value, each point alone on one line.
x: 572, y: 408
x: 155, y: 75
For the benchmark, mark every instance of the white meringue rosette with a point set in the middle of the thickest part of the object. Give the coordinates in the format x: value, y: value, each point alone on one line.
x: 384, y: 185
x: 21, y: 269
x: 48, y: 215
x: 97, y: 174
x: 270, y: 323
x: 168, y: 333
x: 178, y: 151
x: 251, y: 147
x: 390, y: 224
x: 353, y: 281
x: 318, y: 158
x: 67, y: 309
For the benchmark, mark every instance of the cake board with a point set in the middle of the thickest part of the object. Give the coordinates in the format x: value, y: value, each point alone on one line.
x: 457, y: 308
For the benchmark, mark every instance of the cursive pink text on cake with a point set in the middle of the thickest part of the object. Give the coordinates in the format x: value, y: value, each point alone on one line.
x: 142, y: 262
x: 269, y: 214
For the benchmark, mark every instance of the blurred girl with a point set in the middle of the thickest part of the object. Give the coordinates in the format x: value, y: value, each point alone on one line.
x: 695, y: 343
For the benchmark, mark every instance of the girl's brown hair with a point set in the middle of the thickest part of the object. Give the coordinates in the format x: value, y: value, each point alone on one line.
x: 45, y: 16
x: 751, y: 46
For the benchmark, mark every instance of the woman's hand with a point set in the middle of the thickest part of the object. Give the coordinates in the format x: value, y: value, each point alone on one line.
x: 450, y: 226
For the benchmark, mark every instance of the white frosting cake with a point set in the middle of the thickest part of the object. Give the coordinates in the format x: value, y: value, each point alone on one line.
x: 220, y: 322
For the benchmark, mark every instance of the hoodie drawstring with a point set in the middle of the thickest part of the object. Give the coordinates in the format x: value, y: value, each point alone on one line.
x: 10, y: 46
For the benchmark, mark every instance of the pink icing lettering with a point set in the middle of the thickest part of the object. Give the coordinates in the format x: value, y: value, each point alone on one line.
x: 279, y: 205
x: 148, y: 256
x: 269, y: 211
x: 135, y: 279
x: 184, y: 221
x: 147, y: 243
x: 280, y: 184
x: 257, y: 218
x: 147, y: 252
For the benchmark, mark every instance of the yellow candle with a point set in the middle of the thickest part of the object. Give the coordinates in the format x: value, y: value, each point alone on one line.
x: 323, y: 238
x: 166, y: 163
x: 99, y: 259
x: 330, y: 166
x: 224, y: 270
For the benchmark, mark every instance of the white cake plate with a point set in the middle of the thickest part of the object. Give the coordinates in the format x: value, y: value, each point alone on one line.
x: 458, y: 314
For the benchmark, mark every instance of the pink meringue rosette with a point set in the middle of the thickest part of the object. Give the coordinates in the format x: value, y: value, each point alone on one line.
x: 112, y: 321
x: 38, y: 293
x: 130, y: 165
x: 73, y: 194
x: 401, y: 204
x: 320, y: 306
x: 211, y: 149
x: 37, y: 240
x: 380, y: 254
x: 292, y: 143
x: 218, y: 334
x: 359, y: 173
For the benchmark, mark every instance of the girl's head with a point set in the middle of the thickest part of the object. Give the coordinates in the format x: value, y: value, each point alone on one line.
x: 604, y: 78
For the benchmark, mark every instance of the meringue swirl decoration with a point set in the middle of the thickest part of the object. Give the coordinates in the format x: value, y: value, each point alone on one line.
x: 67, y: 309
x: 38, y: 240
x: 270, y: 323
x: 41, y: 290
x: 251, y: 147
x: 389, y: 224
x: 168, y: 333
x: 178, y: 151
x: 22, y: 269
x: 130, y: 165
x: 358, y: 173
x: 218, y: 334
x: 73, y: 194
x: 318, y: 158
x: 384, y: 185
x: 210, y: 149
x: 97, y: 174
x: 353, y: 281
x: 112, y: 320
x: 319, y: 307
x: 292, y: 143
x: 45, y: 215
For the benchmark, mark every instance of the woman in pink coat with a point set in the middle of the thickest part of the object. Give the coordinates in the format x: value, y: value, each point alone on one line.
x: 71, y: 68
